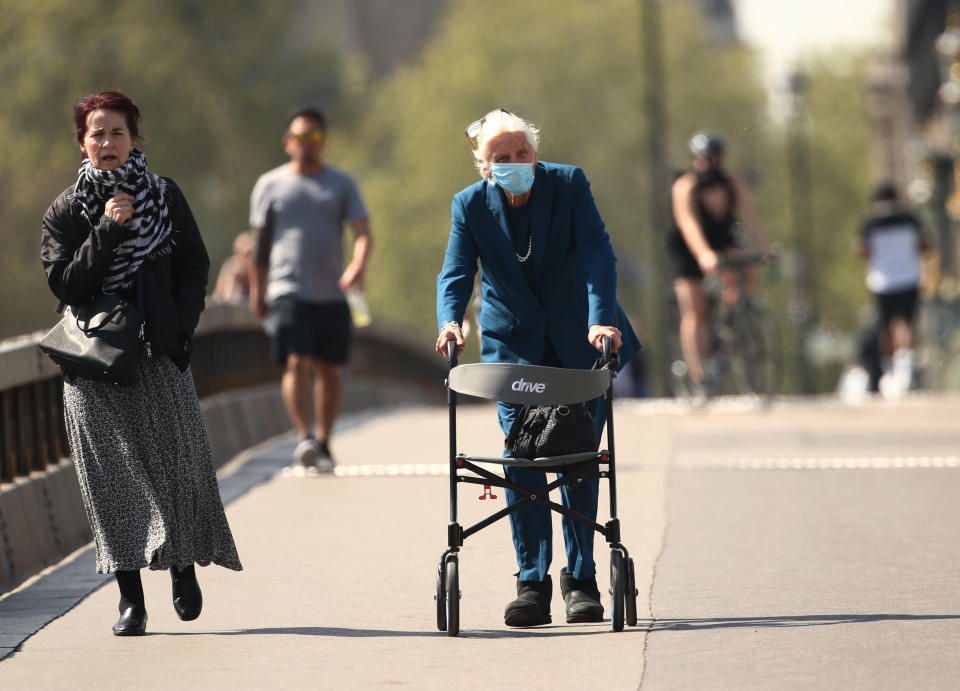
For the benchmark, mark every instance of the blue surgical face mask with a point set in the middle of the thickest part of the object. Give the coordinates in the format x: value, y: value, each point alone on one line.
x: 515, y: 178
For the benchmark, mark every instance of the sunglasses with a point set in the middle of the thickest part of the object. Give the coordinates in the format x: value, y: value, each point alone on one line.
x: 476, y: 127
x: 313, y: 136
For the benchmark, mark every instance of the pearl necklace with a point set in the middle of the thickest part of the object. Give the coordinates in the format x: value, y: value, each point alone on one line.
x: 529, y: 250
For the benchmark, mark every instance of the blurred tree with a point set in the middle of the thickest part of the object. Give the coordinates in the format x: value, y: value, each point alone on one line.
x: 213, y: 83
x: 839, y: 141
x: 835, y: 133
x: 574, y: 69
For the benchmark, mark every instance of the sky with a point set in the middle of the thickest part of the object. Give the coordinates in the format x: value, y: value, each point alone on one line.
x: 785, y: 29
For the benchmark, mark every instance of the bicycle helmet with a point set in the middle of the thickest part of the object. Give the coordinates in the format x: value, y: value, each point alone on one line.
x: 706, y: 144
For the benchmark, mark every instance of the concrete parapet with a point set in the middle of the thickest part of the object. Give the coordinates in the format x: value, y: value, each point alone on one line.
x: 41, y: 521
x: 42, y: 517
x: 239, y: 419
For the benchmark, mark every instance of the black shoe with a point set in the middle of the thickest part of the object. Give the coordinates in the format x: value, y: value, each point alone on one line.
x: 532, y: 606
x: 187, y: 598
x: 581, y: 597
x: 132, y: 622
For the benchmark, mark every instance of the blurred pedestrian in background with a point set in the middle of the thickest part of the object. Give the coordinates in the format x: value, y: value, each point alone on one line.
x: 233, y: 281
x: 707, y: 203
x: 548, y: 277
x: 298, y: 211
x: 142, y: 453
x: 892, y: 242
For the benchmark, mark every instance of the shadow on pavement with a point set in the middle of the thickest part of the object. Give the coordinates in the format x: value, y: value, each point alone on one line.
x: 341, y: 632
x: 785, y: 621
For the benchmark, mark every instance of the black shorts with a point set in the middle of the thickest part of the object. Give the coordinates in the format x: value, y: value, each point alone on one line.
x: 320, y: 330
x: 684, y: 263
x: 902, y: 305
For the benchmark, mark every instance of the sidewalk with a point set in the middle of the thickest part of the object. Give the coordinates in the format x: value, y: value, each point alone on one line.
x: 338, y: 580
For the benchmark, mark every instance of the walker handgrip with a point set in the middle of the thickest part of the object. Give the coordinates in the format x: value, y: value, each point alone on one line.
x: 452, y: 353
x: 607, y: 347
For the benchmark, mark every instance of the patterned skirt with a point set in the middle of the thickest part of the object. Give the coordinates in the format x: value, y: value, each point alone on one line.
x: 146, y: 472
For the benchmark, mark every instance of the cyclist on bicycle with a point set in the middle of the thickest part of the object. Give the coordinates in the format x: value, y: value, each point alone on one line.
x: 707, y: 203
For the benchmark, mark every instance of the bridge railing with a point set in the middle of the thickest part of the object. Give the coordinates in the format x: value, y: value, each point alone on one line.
x: 41, y: 510
x: 231, y: 351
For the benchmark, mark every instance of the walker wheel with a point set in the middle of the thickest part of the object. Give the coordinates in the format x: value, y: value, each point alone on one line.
x: 630, y: 595
x: 617, y: 578
x: 441, y: 598
x: 452, y: 588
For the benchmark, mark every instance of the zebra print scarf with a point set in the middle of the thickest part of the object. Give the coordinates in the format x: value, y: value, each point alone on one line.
x: 147, y: 230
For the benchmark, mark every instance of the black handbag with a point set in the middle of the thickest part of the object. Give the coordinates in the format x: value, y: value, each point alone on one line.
x: 100, y: 339
x: 551, y: 430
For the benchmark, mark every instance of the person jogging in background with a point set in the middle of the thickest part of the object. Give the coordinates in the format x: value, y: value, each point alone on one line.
x: 707, y: 202
x: 298, y: 211
x: 892, y: 242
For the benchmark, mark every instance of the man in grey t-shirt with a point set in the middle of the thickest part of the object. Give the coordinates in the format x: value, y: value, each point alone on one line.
x: 298, y: 211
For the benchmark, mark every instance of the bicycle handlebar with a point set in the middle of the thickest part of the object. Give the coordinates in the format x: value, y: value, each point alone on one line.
x: 738, y: 260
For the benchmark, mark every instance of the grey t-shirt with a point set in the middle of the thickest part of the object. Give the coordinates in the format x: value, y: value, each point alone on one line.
x: 299, y: 221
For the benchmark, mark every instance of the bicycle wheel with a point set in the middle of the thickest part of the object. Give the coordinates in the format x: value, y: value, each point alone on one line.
x: 753, y: 352
x: 452, y: 586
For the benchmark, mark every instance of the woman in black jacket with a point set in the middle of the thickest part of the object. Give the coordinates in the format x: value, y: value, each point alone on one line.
x: 142, y: 453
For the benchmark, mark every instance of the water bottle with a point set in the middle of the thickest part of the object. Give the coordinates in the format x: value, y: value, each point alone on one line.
x: 359, y: 309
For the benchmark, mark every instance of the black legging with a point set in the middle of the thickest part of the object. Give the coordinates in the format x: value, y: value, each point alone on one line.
x: 131, y: 589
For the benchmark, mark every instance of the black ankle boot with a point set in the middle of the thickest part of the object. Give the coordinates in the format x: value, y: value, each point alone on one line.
x: 132, y: 622
x: 187, y: 598
x: 532, y: 606
x: 582, y: 598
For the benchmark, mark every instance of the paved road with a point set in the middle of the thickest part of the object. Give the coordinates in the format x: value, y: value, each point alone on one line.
x: 811, y: 545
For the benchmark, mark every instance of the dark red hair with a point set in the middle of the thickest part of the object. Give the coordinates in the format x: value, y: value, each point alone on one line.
x: 107, y: 100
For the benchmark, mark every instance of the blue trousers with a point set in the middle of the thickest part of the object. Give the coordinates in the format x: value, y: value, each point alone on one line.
x: 532, y: 525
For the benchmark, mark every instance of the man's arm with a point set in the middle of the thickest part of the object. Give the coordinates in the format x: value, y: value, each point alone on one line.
x: 362, y: 244
x: 258, y: 273
x: 682, y: 198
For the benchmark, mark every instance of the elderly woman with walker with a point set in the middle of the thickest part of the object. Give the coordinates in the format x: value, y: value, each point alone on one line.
x: 548, y: 284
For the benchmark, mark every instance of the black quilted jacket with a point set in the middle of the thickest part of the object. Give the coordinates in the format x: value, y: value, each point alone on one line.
x: 76, y: 257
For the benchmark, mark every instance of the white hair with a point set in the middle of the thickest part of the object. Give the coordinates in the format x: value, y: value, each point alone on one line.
x: 507, y: 122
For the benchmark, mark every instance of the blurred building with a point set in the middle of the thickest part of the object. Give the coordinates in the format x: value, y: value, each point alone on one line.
x: 721, y: 20
x: 386, y: 33
x: 914, y: 104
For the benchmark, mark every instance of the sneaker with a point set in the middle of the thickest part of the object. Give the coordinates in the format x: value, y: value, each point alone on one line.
x: 325, y: 462
x: 532, y: 606
x: 306, y: 454
x: 582, y: 598
x: 699, y: 394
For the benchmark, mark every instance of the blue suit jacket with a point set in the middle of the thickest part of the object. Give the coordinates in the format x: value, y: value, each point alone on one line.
x: 574, y: 270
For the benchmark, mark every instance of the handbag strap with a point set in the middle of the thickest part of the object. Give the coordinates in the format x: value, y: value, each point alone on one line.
x: 91, y: 329
x: 108, y: 316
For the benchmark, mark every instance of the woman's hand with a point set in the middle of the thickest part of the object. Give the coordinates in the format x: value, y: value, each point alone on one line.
x: 450, y: 332
x: 119, y: 207
x: 597, y: 332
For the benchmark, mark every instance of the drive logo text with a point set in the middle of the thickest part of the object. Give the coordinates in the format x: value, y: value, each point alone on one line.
x: 528, y: 386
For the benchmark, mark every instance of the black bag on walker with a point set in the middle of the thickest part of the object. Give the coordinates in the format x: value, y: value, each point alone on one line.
x: 551, y: 430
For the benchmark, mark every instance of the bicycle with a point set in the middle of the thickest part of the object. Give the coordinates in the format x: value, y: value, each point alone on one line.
x: 743, y: 354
